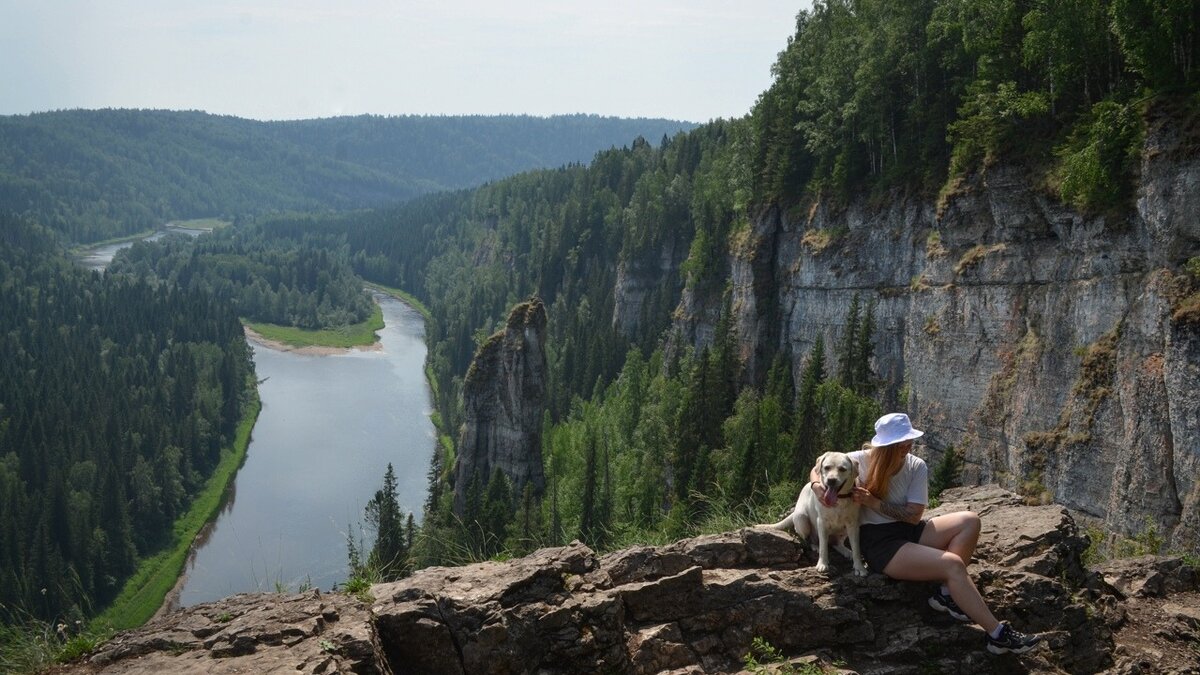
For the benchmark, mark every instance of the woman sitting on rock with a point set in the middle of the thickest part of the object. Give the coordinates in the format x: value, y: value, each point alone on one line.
x: 897, y: 542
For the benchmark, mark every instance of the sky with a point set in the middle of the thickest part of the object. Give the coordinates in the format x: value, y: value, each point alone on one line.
x: 691, y: 60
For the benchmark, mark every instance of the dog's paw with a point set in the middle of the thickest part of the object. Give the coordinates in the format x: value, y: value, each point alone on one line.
x: 860, y: 571
x: 823, y: 566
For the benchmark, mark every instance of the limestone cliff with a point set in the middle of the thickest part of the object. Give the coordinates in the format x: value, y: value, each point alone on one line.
x: 696, y: 606
x: 647, y: 285
x: 1037, y: 340
x: 504, y: 396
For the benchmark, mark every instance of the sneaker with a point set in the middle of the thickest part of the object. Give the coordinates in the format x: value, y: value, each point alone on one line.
x: 944, y: 603
x: 1010, y: 641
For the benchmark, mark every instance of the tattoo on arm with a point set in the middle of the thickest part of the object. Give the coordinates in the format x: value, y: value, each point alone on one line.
x: 909, y: 513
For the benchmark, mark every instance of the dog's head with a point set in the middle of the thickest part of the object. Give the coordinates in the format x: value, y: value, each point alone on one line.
x: 837, y: 471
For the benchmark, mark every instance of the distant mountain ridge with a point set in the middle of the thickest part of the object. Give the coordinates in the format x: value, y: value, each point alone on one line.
x: 97, y: 174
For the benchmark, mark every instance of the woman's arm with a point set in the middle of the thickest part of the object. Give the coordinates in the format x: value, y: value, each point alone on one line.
x: 909, y: 513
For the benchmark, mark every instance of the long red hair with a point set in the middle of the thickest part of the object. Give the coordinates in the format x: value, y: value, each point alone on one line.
x: 886, y: 460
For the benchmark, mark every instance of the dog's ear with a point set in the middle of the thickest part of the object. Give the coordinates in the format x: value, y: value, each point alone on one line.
x: 820, y: 461
x: 857, y: 469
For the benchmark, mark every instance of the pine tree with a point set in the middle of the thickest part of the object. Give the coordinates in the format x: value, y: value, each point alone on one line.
x: 946, y: 473
x: 847, y: 353
x: 495, y: 513
x: 863, y: 381
x: 389, y: 556
x: 806, y: 441
x: 780, y: 386
x: 744, y: 430
x: 588, y: 526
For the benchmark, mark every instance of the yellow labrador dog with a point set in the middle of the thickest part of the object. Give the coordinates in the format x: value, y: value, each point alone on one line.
x: 836, y: 516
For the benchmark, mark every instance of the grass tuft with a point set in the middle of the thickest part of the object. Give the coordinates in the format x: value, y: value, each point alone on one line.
x: 31, y: 645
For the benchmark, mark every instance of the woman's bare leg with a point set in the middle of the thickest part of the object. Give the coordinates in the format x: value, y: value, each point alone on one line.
x: 954, y: 532
x: 915, y: 562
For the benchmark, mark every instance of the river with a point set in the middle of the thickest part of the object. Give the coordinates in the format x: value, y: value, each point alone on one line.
x: 99, y: 257
x: 329, y: 426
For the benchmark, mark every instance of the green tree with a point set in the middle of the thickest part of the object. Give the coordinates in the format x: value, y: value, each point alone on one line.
x: 847, y: 417
x: 389, y: 555
x: 496, y: 513
x: 1100, y: 157
x: 806, y: 442
x: 1158, y: 39
x: 848, y: 355
x: 946, y: 473
x: 863, y: 379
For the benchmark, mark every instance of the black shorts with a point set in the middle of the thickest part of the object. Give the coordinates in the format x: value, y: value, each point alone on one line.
x: 880, y: 542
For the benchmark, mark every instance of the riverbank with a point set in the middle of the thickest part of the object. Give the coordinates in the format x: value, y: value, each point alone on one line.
x: 407, y: 298
x: 359, y: 336
x: 314, y: 349
x: 156, y: 577
x: 197, y: 224
x: 170, y: 598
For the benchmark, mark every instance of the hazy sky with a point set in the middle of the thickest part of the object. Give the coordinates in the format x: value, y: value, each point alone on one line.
x: 285, y: 59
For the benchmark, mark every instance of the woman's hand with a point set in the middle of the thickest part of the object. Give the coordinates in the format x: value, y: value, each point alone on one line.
x: 863, y: 496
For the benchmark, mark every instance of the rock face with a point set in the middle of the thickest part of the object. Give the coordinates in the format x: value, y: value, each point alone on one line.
x: 1038, y: 341
x: 504, y: 395
x: 646, y: 286
x: 696, y: 606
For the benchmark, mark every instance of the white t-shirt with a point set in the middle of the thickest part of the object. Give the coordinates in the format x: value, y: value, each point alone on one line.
x: 910, y: 485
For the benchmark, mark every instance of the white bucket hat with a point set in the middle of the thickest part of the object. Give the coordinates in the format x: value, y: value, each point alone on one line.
x: 894, y: 428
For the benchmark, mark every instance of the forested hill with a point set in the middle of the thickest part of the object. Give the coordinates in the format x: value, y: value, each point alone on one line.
x: 98, y: 174
x: 118, y: 398
x: 727, y: 304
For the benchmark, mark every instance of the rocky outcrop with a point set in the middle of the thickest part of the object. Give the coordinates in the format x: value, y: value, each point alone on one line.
x: 696, y: 606
x: 309, y: 632
x: 504, y: 396
x: 1038, y: 341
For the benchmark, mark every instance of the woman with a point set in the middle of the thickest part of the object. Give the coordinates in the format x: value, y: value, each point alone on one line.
x: 898, y: 543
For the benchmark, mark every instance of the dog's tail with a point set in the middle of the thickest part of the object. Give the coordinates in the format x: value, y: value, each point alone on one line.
x: 785, y: 524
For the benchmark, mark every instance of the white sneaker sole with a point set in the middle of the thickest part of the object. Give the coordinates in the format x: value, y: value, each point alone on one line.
x: 961, y: 617
x: 1012, y: 650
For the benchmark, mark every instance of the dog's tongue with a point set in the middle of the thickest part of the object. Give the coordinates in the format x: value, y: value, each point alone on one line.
x: 830, y: 497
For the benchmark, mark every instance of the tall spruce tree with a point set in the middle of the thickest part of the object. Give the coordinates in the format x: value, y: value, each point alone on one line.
x: 847, y: 352
x: 863, y: 381
x: 807, y: 435
x: 389, y: 556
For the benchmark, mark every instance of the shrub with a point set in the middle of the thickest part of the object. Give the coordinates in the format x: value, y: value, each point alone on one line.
x: 988, y: 119
x: 1096, y: 164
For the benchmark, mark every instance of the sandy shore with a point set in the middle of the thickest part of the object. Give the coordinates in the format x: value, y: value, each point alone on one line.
x: 257, y: 338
